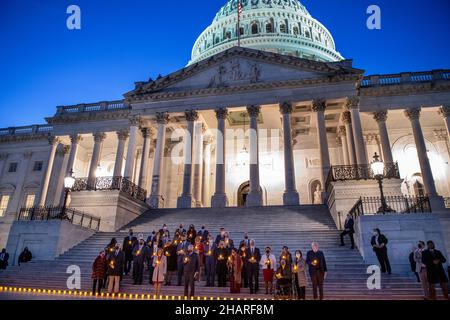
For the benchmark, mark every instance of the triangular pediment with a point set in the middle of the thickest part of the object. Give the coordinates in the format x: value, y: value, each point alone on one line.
x: 240, y: 67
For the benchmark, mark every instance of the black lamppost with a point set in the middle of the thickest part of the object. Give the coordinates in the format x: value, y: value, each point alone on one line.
x: 377, y: 167
x: 69, y: 181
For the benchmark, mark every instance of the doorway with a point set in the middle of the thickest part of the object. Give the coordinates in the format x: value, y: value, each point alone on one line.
x: 243, y: 191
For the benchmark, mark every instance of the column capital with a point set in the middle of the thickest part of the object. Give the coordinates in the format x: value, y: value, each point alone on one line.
x: 52, y: 140
x: 123, y: 134
x: 135, y: 121
x: 352, y: 103
x: 191, y: 115
x: 162, y: 118
x: 75, y: 138
x: 413, y: 113
x: 146, y: 132
x: 99, y: 136
x: 254, y: 110
x: 380, y: 116
x: 440, y: 134
x: 286, y: 108
x: 63, y: 151
x: 346, y: 117
x: 221, y: 113
x: 318, y: 105
x: 444, y: 111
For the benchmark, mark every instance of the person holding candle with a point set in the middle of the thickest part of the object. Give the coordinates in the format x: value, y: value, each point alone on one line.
x: 243, y: 253
x: 221, y: 264
x: 153, y: 248
x: 182, y: 248
x: 180, y: 229
x: 268, y: 265
x: 128, y: 243
x: 286, y: 255
x: 210, y: 261
x: 235, y: 269
x: 229, y: 243
x: 191, y: 269
x: 160, y: 270
x: 203, y: 233
x: 284, y: 279
x: 253, y: 258
x: 116, y: 262
x: 98, y: 272
x: 170, y: 251
x: 199, y: 249
x: 191, y: 234
x: 299, y: 271
x: 220, y: 236
x: 140, y: 253
x: 317, y: 266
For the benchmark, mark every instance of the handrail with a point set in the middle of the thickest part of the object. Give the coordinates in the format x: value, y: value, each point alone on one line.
x: 93, y: 107
x: 59, y: 213
x: 405, y: 77
x: 111, y: 183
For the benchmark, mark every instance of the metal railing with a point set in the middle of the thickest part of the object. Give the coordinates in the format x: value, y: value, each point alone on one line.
x: 359, y: 172
x: 405, y: 77
x: 93, y: 107
x: 26, y: 130
x: 396, y: 204
x: 111, y: 183
x: 59, y: 213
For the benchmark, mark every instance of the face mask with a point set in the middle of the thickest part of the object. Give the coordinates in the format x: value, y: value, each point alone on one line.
x: 267, y: 251
x: 131, y: 233
x: 246, y: 237
x: 203, y: 228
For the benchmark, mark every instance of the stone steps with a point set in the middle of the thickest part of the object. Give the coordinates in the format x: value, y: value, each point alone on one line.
x: 295, y: 227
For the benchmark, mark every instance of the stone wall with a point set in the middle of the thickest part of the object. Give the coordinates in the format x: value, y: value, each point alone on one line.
x: 403, y: 232
x: 114, y: 208
x: 45, y: 239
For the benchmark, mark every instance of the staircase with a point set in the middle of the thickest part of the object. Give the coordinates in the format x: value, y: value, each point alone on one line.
x: 295, y: 227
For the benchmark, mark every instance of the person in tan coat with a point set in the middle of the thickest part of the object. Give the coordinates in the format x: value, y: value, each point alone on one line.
x: 299, y: 269
x: 160, y: 270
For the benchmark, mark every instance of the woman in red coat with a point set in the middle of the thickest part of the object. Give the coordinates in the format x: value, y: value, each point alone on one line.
x: 235, y: 271
x: 99, y: 272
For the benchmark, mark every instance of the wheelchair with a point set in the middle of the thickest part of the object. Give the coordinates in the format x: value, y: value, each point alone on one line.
x: 284, y: 289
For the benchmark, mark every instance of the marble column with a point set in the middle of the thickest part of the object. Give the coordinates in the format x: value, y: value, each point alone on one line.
x: 219, y: 199
x: 146, y: 135
x: 186, y: 200
x: 53, y: 141
x: 130, y: 160
x: 319, y: 106
x: 443, y: 149
x: 122, y: 137
x: 343, y: 137
x: 437, y: 202
x: 16, y: 198
x: 444, y: 111
x: 74, y: 143
x: 290, y: 196
x: 156, y: 198
x: 207, y: 150
x: 254, y: 198
x: 60, y: 165
x: 198, y: 164
x: 381, y: 117
x: 360, y: 149
x: 99, y: 137
x: 347, y: 120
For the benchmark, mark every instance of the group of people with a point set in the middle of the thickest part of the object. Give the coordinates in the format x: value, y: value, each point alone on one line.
x: 190, y: 256
x: 24, y: 257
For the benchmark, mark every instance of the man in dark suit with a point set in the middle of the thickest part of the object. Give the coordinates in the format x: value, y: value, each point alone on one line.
x: 203, y: 233
x: 182, y: 248
x: 317, y: 266
x: 252, y: 259
x: 4, y: 256
x: 127, y: 247
x: 140, y: 254
x: 191, y: 267
x: 220, y: 236
x: 379, y: 245
x: 349, y: 229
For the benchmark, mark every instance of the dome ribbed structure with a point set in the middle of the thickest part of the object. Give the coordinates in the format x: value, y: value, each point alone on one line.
x: 279, y: 26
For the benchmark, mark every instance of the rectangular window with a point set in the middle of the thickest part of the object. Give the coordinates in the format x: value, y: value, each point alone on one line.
x: 13, y: 167
x: 29, y: 201
x: 38, y: 166
x: 3, y: 205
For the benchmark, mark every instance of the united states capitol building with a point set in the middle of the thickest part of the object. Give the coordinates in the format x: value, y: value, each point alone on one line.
x: 314, y: 122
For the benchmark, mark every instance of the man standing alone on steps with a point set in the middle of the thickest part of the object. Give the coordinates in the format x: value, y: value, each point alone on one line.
x: 349, y: 229
x: 128, y: 244
x: 379, y: 245
x: 317, y: 266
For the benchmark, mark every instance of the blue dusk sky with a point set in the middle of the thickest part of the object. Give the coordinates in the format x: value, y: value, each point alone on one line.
x: 43, y: 64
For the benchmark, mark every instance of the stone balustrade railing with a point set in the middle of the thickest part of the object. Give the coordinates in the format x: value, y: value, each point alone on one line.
x: 405, y: 77
x: 93, y: 107
x: 27, y: 130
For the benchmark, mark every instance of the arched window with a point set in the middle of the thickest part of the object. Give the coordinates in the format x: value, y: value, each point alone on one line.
x: 295, y: 29
x: 283, y: 28
x: 269, y: 28
x: 228, y: 35
x: 307, y: 34
x: 254, y: 28
x: 241, y: 31
x: 217, y: 40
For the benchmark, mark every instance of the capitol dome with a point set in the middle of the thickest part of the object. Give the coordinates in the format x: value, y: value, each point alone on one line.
x: 279, y: 26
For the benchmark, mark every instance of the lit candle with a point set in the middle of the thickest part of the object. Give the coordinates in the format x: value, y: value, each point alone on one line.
x: 209, y: 252
x: 268, y: 261
x: 138, y: 252
x: 295, y: 268
x: 186, y: 260
x: 129, y: 242
x: 315, y: 262
x: 221, y: 257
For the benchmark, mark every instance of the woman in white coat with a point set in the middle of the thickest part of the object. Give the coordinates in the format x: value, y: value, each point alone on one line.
x: 160, y: 270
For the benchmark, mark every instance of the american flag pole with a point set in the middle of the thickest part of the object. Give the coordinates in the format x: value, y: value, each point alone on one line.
x: 239, y: 11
